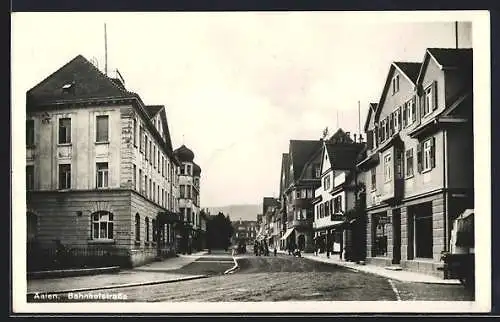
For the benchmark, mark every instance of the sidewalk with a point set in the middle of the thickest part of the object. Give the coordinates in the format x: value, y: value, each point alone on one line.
x: 153, y: 273
x: 403, y: 276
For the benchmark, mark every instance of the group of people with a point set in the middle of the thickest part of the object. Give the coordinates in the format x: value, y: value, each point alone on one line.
x: 293, y: 249
x: 261, y: 248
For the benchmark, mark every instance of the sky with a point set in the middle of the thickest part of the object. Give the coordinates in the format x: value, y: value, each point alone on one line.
x: 237, y: 86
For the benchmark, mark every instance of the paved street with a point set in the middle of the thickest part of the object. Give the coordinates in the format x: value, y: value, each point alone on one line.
x: 281, y: 278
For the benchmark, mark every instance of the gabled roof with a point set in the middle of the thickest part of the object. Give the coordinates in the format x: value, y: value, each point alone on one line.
x: 300, y: 152
x: 343, y: 156
x: 407, y: 69
x: 371, y: 110
x: 285, y: 168
x: 447, y: 58
x: 87, y: 81
x: 340, y: 136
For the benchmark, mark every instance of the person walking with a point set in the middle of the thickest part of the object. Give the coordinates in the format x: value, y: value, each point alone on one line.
x: 329, y: 243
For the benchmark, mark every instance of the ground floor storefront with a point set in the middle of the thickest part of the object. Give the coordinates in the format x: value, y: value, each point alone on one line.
x: 112, y: 227
x: 413, y: 234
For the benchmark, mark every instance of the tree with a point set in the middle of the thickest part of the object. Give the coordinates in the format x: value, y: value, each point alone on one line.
x: 219, y: 231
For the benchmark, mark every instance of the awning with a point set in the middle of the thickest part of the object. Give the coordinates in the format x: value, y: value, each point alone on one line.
x: 287, y: 233
x: 467, y: 213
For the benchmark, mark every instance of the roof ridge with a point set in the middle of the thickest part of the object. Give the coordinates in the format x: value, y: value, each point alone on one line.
x: 123, y: 90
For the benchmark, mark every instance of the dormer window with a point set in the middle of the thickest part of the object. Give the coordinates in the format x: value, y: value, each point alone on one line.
x: 395, y: 84
x: 67, y: 88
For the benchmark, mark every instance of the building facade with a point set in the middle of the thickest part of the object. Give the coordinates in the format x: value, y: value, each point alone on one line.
x: 337, y: 196
x: 419, y: 163
x: 304, y: 176
x: 244, y: 231
x: 189, y: 200
x: 100, y: 170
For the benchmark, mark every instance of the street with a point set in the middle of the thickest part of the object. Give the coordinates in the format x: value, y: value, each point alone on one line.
x: 282, y: 278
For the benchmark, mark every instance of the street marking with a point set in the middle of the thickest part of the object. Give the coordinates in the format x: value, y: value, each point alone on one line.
x: 395, y: 290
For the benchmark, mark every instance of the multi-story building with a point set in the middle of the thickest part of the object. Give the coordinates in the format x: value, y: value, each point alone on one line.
x: 100, y: 170
x: 338, y: 193
x: 304, y: 167
x: 270, y: 210
x: 189, y: 199
x: 419, y: 164
x: 282, y: 201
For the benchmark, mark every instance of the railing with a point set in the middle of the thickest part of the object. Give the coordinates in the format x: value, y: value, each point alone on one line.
x: 69, y: 258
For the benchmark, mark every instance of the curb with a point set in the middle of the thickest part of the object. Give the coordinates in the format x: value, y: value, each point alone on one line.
x: 181, y: 279
x: 72, y: 272
x: 232, y: 269
x: 357, y: 269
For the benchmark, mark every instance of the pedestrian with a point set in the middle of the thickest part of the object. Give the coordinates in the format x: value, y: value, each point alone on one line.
x: 275, y: 251
x: 315, y: 246
x: 328, y: 243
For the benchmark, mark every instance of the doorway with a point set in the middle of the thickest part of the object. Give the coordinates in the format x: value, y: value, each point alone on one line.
x: 396, y: 228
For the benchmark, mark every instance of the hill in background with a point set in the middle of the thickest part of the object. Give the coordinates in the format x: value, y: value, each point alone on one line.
x: 237, y: 212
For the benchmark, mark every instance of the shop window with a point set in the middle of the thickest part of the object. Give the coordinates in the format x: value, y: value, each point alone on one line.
x: 422, y: 217
x: 379, y: 233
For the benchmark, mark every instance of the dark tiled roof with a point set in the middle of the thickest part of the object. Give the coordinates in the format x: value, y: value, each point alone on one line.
x: 88, y: 83
x: 153, y: 109
x: 371, y: 110
x: 411, y: 69
x: 452, y: 57
x: 343, y: 156
x: 184, y: 154
x: 340, y: 136
x: 284, y: 171
x: 268, y: 202
x: 300, y: 152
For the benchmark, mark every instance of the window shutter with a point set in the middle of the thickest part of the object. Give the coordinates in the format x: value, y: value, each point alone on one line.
x: 434, y: 95
x: 413, y: 102
x: 399, y: 118
x: 391, y: 124
x: 419, y: 157
x: 421, y: 101
x: 433, y: 152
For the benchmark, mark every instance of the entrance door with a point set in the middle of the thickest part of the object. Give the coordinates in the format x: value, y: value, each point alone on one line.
x: 396, y: 228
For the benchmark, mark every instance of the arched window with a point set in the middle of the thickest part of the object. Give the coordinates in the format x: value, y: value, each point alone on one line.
x: 137, y: 227
x: 31, y: 225
x: 147, y: 228
x: 102, y: 225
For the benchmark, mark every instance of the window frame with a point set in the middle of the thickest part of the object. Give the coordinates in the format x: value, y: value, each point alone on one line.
x: 67, y: 132
x: 105, y: 175
x: 409, y: 155
x: 427, y: 152
x: 67, y: 180
x: 98, y: 139
x: 109, y: 223
x: 387, y: 167
x: 30, y: 133
x: 428, y: 100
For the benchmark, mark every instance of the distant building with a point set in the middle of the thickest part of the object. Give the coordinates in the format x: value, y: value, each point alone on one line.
x: 100, y: 170
x: 245, y: 231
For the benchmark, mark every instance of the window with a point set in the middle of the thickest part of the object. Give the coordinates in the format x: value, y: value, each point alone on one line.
x: 395, y: 84
x: 374, y: 178
x: 326, y: 182
x: 181, y: 170
x: 429, y: 101
x: 140, y: 189
x: 303, y: 193
x: 64, y: 130
x: 422, y: 224
x: 396, y: 116
x: 30, y: 132
x: 297, y: 194
x: 158, y: 160
x: 310, y: 193
x: 337, y: 205
x: 154, y: 156
x: 327, y: 207
x: 188, y: 169
x: 162, y: 197
x: 150, y: 152
x: 102, y: 225
x: 30, y: 177
x: 137, y: 227
x: 158, y: 194
x: 155, y: 236
x: 102, y: 174
x: 379, y: 233
x: 146, y: 189
x: 102, y: 128
x: 399, y: 159
x: 64, y: 176
x: 412, y: 111
x: 383, y: 134
x: 188, y: 192
x: 134, y: 176
x: 387, y: 167
x: 428, y: 155
x: 182, y: 191
x: 162, y: 166
x: 142, y: 138
x: 409, y: 163
x: 150, y: 189
x: 154, y: 192
x: 317, y: 171
x: 147, y: 229
x: 134, y: 131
